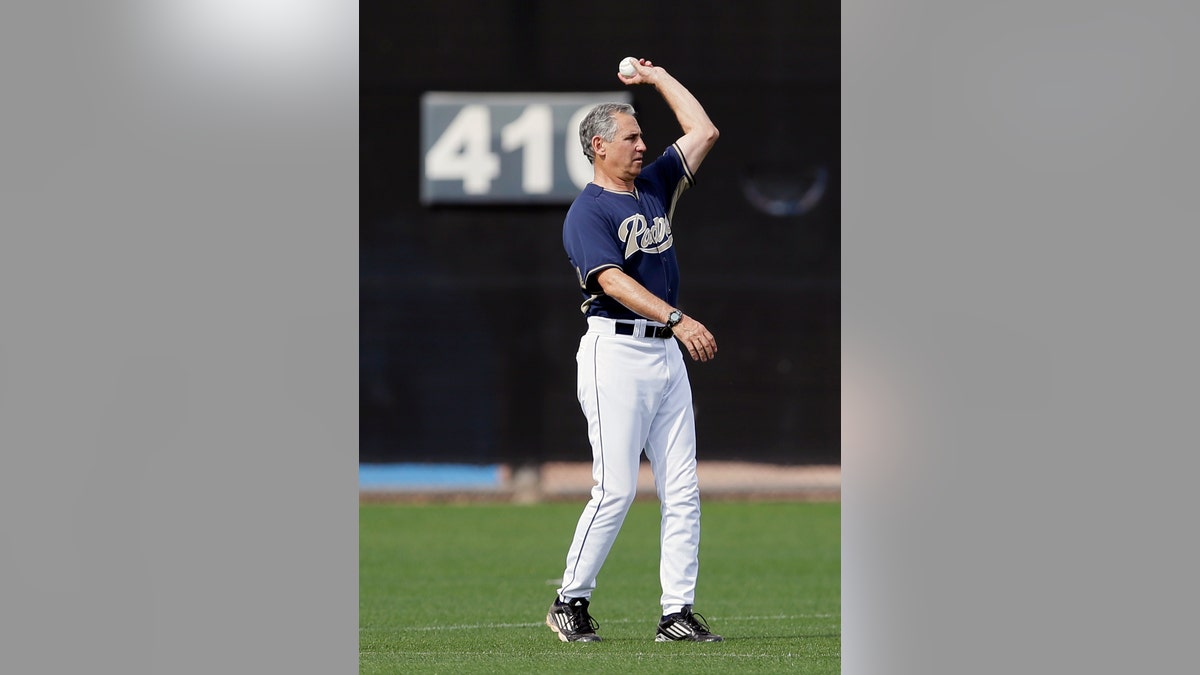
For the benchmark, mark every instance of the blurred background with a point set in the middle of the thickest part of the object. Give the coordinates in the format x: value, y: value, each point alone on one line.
x: 469, y: 318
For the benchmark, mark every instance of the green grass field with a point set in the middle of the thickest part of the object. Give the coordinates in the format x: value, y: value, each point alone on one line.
x: 464, y: 589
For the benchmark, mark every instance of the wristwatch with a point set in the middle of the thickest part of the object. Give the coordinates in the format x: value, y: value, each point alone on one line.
x: 674, y: 318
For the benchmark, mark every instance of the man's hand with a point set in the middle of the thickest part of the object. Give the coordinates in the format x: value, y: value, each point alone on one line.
x: 696, y: 339
x: 645, y: 73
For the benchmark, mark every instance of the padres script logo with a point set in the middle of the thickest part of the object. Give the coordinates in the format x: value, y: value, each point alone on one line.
x: 637, y: 236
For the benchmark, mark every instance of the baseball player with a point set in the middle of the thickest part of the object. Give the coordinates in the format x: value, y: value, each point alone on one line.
x: 632, y: 380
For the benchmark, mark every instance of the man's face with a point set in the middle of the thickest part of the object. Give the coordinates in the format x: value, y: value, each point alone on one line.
x: 623, y: 155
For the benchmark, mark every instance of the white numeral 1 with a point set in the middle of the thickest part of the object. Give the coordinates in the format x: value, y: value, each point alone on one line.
x: 533, y: 130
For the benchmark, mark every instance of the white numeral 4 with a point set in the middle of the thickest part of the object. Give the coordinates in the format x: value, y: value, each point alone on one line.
x: 463, y: 152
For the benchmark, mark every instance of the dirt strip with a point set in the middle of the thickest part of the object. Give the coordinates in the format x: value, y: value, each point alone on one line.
x: 572, y: 481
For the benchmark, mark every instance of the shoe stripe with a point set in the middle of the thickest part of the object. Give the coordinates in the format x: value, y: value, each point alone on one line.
x: 563, y: 624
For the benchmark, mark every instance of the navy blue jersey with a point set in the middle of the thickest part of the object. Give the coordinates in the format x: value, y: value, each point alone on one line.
x: 630, y: 231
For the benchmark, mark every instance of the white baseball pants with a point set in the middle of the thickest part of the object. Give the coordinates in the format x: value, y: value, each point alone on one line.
x: 636, y: 395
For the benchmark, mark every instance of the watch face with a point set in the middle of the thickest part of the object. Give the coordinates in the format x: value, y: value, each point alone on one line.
x: 674, y: 318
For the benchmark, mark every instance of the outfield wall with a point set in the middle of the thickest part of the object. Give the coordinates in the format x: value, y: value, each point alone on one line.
x: 469, y: 320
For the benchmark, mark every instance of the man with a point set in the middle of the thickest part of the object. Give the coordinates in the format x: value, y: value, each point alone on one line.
x: 632, y: 381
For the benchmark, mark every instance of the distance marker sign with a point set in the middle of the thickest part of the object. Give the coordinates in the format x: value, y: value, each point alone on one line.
x: 515, y: 148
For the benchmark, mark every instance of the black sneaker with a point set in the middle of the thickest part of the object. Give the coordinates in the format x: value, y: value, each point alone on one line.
x: 571, y: 621
x: 684, y: 625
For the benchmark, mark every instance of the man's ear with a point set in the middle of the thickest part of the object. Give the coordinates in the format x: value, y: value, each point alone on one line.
x: 597, y: 145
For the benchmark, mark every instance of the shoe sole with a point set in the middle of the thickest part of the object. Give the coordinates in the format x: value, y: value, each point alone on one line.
x: 663, y: 638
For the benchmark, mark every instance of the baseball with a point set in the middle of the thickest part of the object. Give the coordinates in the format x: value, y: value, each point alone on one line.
x: 626, y: 68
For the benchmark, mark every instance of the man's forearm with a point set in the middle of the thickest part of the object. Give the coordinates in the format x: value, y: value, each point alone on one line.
x: 692, y: 334
x: 622, y: 288
x: 699, y: 132
x: 687, y: 109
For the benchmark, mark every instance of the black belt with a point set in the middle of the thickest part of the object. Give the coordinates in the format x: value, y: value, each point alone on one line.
x: 651, y: 331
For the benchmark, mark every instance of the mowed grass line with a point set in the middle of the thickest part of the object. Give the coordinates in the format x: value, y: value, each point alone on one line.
x: 464, y: 589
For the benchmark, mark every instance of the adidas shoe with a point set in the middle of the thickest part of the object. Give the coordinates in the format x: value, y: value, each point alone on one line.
x: 571, y: 621
x: 684, y: 625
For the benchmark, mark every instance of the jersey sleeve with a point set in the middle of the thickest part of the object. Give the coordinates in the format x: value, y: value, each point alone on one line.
x: 669, y: 174
x: 591, y: 246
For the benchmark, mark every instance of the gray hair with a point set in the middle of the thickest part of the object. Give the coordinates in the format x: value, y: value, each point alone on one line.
x: 602, y: 122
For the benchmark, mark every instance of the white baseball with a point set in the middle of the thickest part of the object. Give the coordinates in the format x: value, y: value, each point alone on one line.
x: 626, y: 68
